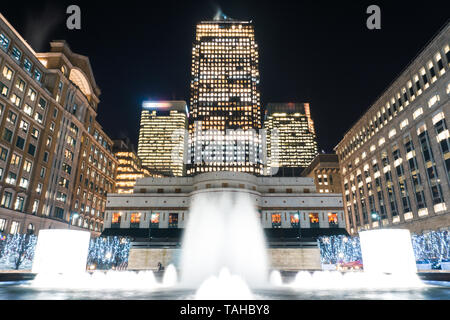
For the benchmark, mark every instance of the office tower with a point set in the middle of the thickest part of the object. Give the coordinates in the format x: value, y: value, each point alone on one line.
x: 395, y: 160
x: 130, y: 167
x: 225, y: 112
x: 54, y: 157
x: 325, y: 171
x: 162, y: 136
x: 291, y: 140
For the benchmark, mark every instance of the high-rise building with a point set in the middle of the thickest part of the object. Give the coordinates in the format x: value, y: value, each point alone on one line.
x: 290, y: 138
x: 225, y: 111
x: 56, y: 164
x: 130, y: 167
x: 395, y: 160
x: 162, y: 136
x: 325, y: 171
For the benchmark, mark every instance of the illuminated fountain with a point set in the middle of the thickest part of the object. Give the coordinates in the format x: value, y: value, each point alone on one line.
x: 389, y: 263
x: 61, y: 251
x: 224, y: 256
x: 223, y: 232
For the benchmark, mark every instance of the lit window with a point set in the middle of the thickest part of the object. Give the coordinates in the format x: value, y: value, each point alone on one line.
x: 154, y: 220
x: 314, y: 220
x: 276, y: 220
x: 433, y: 100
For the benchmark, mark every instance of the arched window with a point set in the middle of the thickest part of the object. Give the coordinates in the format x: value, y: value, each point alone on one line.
x: 30, y: 229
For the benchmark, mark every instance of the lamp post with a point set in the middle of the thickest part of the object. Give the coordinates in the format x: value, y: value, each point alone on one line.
x: 376, y: 216
x: 73, y: 215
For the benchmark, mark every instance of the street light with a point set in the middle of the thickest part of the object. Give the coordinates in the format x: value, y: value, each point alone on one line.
x: 376, y: 216
x: 73, y: 215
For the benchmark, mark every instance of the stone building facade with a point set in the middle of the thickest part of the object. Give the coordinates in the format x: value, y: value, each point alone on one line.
x: 285, y: 203
x: 395, y: 160
x: 48, y: 104
x: 324, y: 169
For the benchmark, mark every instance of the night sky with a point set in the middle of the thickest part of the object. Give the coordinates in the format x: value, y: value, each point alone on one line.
x: 310, y: 51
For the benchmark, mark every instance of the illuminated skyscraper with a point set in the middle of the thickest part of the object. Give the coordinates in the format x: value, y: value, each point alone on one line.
x: 225, y: 111
x: 161, y: 138
x: 291, y: 139
x: 130, y: 167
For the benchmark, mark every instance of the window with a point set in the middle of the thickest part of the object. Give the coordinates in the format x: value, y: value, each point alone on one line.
x: 30, y: 229
x: 18, y: 206
x: 1, y: 173
x: 31, y: 149
x: 3, y: 90
x: 7, y: 73
x: 433, y: 100
x: 42, y: 174
x: 332, y: 219
x: 27, y: 65
x: 63, y: 182
x: 37, y: 75
x: 24, y: 126
x: 154, y: 220
x: 24, y: 183
x: 295, y: 220
x: 11, y: 178
x: 20, y: 84
x: 45, y: 158
x: 135, y: 220
x: 20, y: 143
x: 27, y: 109
x: 31, y: 94
x: 42, y: 103
x: 15, y: 159
x: 14, y: 227
x: 116, y: 218
x: 6, y: 200
x: 39, y: 188
x: 12, y: 117
x: 7, y: 135
x: 39, y: 118
x: 35, y: 207
x: 60, y: 196
x: 4, y: 42
x: 2, y: 225
x: 49, y: 141
x: 59, y: 213
x: 16, y: 54
x: 173, y: 220
x: 314, y: 220
x: 276, y: 220
x: 15, y: 100
x: 35, y: 133
x: 27, y: 166
x: 3, y: 153
x: 66, y: 168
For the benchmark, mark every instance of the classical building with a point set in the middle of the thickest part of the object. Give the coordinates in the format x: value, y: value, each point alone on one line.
x: 130, y: 167
x: 288, y: 207
x: 324, y: 169
x: 290, y: 138
x: 395, y: 160
x: 49, y: 138
x: 161, y: 143
x: 225, y: 108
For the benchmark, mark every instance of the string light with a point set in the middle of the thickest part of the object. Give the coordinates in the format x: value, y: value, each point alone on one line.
x: 433, y: 246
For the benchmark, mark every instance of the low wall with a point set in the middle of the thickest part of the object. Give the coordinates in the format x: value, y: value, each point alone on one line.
x: 281, y: 259
x: 295, y: 259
